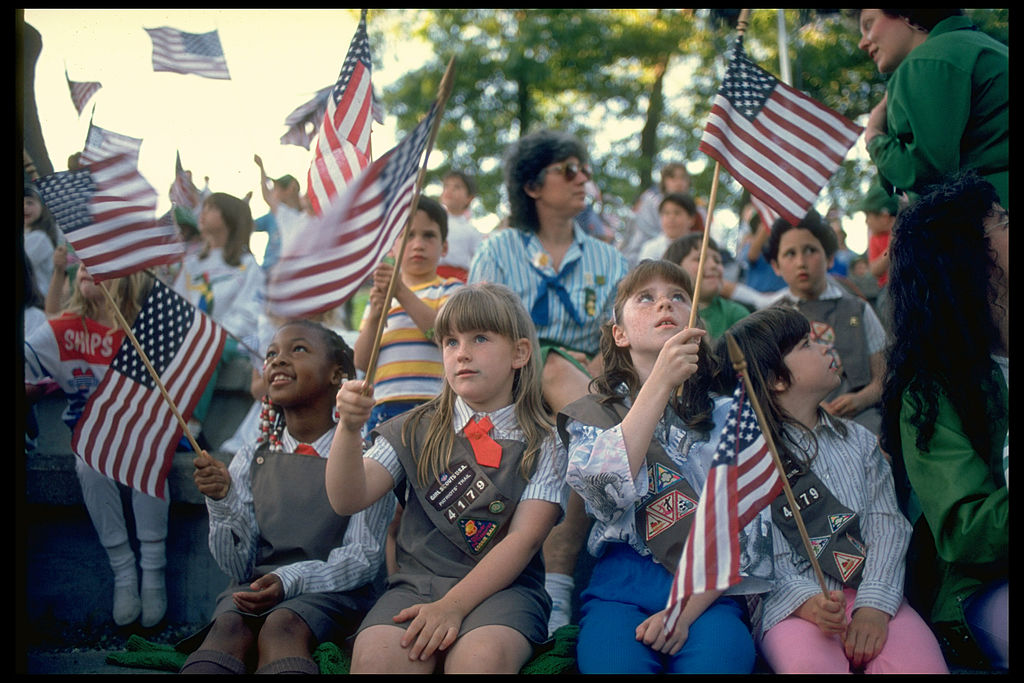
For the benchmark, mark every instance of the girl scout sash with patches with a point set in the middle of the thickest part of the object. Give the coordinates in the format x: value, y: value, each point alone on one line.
x: 834, y: 529
x: 468, y: 504
x: 664, y: 516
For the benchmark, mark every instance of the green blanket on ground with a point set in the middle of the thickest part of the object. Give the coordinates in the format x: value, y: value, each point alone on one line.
x: 557, y: 656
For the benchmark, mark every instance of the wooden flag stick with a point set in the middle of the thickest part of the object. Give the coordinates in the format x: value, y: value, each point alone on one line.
x: 740, y: 364
x: 444, y: 92
x: 152, y: 372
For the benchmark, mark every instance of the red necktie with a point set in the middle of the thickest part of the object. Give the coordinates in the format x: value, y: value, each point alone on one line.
x: 486, y: 449
x: 305, y: 449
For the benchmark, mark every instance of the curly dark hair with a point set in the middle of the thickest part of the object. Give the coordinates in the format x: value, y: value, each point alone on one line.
x: 943, y: 329
x: 525, y: 162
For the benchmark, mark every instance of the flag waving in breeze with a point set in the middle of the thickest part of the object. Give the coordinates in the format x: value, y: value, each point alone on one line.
x: 81, y: 92
x: 184, y: 192
x: 128, y: 431
x: 108, y: 213
x: 342, y: 147
x: 340, y: 249
x: 742, y: 481
x: 102, y: 144
x: 188, y: 53
x: 778, y: 143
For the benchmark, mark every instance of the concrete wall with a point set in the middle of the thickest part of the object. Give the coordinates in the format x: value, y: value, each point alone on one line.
x: 64, y: 569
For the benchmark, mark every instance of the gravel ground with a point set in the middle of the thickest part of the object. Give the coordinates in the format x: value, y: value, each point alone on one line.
x: 85, y: 637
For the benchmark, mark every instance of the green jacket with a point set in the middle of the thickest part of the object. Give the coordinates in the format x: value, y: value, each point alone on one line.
x: 964, y: 501
x: 948, y: 108
x: 720, y: 314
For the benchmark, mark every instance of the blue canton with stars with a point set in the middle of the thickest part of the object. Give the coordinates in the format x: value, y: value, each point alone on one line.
x: 358, y: 52
x: 746, y: 85
x: 160, y: 330
x: 204, y: 44
x: 67, y: 194
x: 741, y: 431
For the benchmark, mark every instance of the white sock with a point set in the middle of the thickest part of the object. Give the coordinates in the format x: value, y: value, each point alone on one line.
x: 127, y: 605
x: 560, y: 588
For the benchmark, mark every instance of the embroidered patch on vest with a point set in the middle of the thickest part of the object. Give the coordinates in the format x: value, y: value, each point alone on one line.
x: 819, y: 543
x: 861, y: 548
x: 847, y: 564
x: 477, y: 533
x: 836, y: 522
x: 667, y: 510
x: 660, y: 477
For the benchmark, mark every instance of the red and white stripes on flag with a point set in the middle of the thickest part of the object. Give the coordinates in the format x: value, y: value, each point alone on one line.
x: 767, y: 213
x: 128, y: 431
x: 108, y: 214
x: 340, y: 249
x: 780, y: 144
x: 81, y: 91
x: 741, y: 482
x: 101, y: 143
x: 342, y: 147
x: 184, y: 192
x: 188, y: 53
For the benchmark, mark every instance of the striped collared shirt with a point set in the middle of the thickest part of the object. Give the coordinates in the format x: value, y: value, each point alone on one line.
x: 590, y: 272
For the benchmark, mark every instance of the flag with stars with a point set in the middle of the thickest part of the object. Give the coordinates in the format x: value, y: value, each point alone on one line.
x: 780, y: 144
x: 342, y: 147
x: 107, y: 212
x: 741, y: 482
x: 341, y: 248
x: 188, y: 53
x: 101, y: 143
x: 128, y: 430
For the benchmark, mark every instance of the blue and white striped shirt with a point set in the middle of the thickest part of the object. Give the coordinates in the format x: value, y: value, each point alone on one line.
x: 234, y: 534
x: 857, y: 474
x: 590, y: 273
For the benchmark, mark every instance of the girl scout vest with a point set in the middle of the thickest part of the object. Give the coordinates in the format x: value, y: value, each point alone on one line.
x: 295, y: 518
x: 664, y: 516
x: 833, y: 529
x: 454, y: 520
x: 844, y: 318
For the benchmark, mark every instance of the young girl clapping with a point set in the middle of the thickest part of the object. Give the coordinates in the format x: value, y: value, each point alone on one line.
x: 844, y: 488
x: 468, y: 594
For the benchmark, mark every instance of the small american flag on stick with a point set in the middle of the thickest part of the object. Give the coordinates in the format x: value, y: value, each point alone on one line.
x: 780, y: 144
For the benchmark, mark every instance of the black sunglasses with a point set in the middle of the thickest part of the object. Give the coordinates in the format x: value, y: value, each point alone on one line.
x: 570, y: 169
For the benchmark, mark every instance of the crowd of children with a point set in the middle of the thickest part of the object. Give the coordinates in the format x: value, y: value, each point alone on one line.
x: 537, y: 394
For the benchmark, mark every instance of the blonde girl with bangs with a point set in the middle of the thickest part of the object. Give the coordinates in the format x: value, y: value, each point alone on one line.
x: 468, y: 592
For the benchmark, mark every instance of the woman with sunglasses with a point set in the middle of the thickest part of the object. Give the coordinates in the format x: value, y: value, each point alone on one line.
x: 567, y: 280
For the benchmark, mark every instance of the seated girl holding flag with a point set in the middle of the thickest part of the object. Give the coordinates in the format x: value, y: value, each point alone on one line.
x: 638, y: 456
x: 844, y: 490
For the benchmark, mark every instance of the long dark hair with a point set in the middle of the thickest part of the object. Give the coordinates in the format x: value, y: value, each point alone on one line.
x: 765, y: 337
x: 695, y: 405
x: 238, y: 219
x: 940, y: 289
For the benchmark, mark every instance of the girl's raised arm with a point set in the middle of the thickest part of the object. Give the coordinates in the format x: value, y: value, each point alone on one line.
x: 353, y: 483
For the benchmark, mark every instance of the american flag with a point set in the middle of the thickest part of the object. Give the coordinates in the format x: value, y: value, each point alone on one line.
x: 768, y: 214
x: 778, y: 143
x: 304, y: 121
x: 742, y: 481
x: 128, y: 431
x: 81, y: 91
x: 188, y: 53
x: 342, y: 147
x: 103, y: 144
x: 340, y: 249
x: 108, y: 213
x: 184, y: 192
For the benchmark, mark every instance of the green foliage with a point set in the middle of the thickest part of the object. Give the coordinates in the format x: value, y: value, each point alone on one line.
x: 635, y: 85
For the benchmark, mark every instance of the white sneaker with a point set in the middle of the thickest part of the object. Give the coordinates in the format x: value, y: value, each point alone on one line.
x: 127, y: 605
x: 154, y: 606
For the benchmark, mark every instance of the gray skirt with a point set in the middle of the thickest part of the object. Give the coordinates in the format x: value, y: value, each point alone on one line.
x: 331, y: 617
x: 519, y: 607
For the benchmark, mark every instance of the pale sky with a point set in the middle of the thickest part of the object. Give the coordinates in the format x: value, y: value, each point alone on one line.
x: 277, y: 60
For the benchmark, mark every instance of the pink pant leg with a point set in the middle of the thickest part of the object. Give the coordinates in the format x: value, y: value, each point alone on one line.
x: 795, y: 646
x: 910, y: 647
